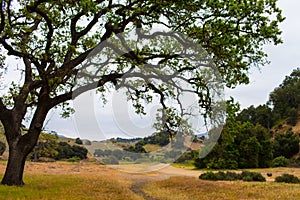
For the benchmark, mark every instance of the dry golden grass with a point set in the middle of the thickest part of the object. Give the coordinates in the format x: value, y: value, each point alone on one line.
x: 152, y: 147
x: 62, y: 180
x: 189, y: 188
x: 86, y: 180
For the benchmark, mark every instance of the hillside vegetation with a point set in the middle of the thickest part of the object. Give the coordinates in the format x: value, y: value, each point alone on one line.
x: 262, y: 136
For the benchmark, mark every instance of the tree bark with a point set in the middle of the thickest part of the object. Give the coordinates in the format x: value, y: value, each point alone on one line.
x: 15, y: 166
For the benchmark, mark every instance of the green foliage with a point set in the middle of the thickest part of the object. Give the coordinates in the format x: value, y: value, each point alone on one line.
x: 232, y: 176
x: 186, y: 156
x: 286, y: 99
x: 78, y: 141
x: 66, y: 151
x: 2, y: 147
x: 287, y: 178
x: 280, y: 161
x: 160, y: 138
x: 260, y: 115
x: 241, y: 145
x: 47, y: 146
x: 74, y: 159
x: 286, y: 144
x: 137, y: 148
x: 252, y: 176
x: 265, y: 154
x: 249, y: 153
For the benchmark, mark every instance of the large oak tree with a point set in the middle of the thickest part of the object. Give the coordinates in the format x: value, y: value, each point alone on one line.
x: 52, y: 39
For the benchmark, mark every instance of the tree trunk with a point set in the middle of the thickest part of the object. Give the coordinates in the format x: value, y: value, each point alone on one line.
x: 15, y: 167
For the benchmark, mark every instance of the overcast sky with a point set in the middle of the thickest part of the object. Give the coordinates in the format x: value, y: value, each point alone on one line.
x: 284, y: 58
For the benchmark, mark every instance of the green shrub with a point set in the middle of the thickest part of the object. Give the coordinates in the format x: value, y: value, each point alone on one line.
x: 280, y: 161
x: 252, y: 176
x: 74, y: 159
x: 220, y: 176
x: 66, y: 151
x: 209, y: 176
x: 232, y: 176
x: 287, y: 178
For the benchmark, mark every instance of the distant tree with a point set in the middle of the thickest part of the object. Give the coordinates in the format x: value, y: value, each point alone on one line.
x: 46, y: 147
x: 66, y: 151
x: 285, y: 99
x: 98, y: 153
x: 265, y: 154
x: 2, y: 148
x: 52, y: 39
x: 118, y: 154
x: 79, y: 152
x: 249, y: 153
x: 257, y: 115
x: 286, y: 144
x: 280, y: 161
x: 78, y: 141
x: 241, y: 145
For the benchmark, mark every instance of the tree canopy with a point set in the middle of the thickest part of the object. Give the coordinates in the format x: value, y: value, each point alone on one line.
x: 52, y: 39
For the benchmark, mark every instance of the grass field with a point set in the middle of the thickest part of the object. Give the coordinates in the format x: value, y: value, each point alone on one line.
x: 186, y: 188
x: 63, y: 180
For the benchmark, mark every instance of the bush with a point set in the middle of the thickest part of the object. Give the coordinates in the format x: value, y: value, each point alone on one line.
x: 287, y: 178
x: 209, y: 176
x: 78, y: 141
x: 280, y: 161
x: 220, y: 176
x: 252, y: 176
x: 66, y: 151
x: 74, y: 159
x: 2, y: 148
x: 232, y: 176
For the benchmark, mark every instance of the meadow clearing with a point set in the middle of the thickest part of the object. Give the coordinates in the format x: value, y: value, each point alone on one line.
x: 92, y: 180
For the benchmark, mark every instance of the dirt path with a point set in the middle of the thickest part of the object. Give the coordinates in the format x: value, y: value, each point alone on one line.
x: 140, y: 180
x: 137, y: 187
